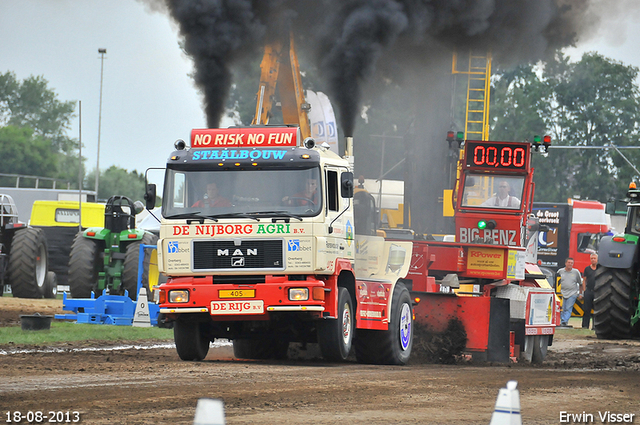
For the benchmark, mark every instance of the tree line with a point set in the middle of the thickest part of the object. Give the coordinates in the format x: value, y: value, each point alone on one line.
x: 34, y: 125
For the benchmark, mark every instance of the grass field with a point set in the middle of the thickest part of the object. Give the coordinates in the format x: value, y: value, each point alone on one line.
x: 69, y: 332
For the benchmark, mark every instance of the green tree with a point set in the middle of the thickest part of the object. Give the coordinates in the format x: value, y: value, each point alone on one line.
x: 118, y: 181
x: 585, y: 104
x: 43, y: 121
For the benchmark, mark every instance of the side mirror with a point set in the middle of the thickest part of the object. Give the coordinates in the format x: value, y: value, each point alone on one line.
x: 138, y: 207
x: 346, y: 184
x: 150, y: 196
x: 610, y: 207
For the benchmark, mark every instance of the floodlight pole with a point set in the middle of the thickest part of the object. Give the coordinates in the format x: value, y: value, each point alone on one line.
x: 102, y: 53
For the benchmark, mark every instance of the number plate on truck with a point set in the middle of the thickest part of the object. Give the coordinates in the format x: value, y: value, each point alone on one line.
x: 236, y: 293
x: 237, y: 307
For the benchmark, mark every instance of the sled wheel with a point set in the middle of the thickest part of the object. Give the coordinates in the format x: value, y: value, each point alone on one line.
x: 336, y: 335
x: 84, y: 266
x: 394, y: 345
x: 51, y: 285
x: 28, y: 263
x: 191, y: 341
x: 612, y: 303
x: 130, y: 270
x: 540, y: 344
x: 527, y: 351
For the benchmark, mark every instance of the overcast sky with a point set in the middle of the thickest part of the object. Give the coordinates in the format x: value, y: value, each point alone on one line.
x: 148, y: 99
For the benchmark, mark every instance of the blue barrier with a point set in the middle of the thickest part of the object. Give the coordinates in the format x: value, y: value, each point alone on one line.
x: 109, y: 309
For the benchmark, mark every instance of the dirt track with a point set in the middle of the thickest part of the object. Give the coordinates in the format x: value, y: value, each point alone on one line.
x: 152, y: 386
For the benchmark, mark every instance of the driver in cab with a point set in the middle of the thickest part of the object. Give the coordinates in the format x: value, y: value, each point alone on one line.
x: 308, y: 196
x: 212, y: 198
x: 502, y: 198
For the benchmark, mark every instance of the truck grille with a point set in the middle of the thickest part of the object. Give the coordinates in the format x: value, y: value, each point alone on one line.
x: 226, y: 255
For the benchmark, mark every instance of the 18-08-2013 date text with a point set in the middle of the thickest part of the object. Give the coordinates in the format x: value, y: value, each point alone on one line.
x: 41, y: 417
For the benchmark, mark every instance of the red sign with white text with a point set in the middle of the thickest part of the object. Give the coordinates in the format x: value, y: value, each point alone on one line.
x: 257, y: 137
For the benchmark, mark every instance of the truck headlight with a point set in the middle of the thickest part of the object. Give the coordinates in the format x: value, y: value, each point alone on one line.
x: 179, y: 296
x: 298, y: 294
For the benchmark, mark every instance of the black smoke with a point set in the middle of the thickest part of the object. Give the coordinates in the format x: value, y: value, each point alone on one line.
x: 351, y: 39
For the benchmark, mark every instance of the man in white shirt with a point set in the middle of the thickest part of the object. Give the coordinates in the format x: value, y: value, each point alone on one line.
x: 502, y: 198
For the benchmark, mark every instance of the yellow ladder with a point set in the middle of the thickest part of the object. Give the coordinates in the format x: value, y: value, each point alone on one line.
x: 478, y: 70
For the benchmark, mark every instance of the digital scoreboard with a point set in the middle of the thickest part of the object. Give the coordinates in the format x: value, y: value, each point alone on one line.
x: 497, y: 155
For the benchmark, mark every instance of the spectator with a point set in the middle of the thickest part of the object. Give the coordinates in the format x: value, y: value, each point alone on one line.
x: 570, y: 282
x: 588, y: 286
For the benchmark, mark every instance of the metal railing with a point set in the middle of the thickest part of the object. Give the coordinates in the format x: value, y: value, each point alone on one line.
x: 38, y: 179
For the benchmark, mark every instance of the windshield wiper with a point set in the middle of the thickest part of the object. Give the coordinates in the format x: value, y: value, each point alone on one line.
x: 192, y: 215
x: 234, y: 215
x: 277, y: 214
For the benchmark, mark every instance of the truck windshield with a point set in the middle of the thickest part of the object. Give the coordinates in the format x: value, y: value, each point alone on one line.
x: 229, y: 193
x: 492, y: 191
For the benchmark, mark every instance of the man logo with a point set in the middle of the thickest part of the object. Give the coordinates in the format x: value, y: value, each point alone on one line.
x: 237, y: 261
x: 293, y: 245
x: 172, y: 247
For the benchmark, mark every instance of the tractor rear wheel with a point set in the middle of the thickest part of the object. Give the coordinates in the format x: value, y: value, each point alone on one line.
x: 191, y: 341
x: 84, y: 265
x: 51, y: 285
x: 612, y: 307
x: 394, y: 345
x: 28, y: 262
x: 149, y: 269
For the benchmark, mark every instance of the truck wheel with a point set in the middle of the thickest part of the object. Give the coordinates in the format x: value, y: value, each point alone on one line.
x: 130, y: 271
x: 612, y: 303
x: 191, y: 342
x: 260, y: 349
x: 28, y: 263
x: 51, y: 285
x: 336, y: 335
x: 540, y: 344
x: 392, y: 346
x: 84, y: 265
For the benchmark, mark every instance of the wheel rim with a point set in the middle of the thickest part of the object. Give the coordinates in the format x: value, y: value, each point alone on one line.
x: 41, y: 266
x: 405, y: 327
x: 346, y: 324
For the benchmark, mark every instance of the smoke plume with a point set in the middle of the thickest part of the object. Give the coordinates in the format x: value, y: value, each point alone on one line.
x: 350, y: 38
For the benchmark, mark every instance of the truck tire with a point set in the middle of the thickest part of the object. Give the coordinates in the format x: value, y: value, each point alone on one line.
x: 51, y: 285
x: 394, y: 345
x: 130, y: 269
x: 335, y: 336
x: 260, y: 349
x: 191, y: 342
x: 612, y: 303
x: 28, y: 263
x: 84, y: 265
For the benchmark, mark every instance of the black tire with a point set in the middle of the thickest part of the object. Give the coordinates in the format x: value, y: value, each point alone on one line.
x: 260, y: 349
x: 84, y: 265
x: 191, y: 342
x: 51, y: 285
x: 335, y: 336
x: 130, y: 269
x: 612, y: 303
x: 540, y: 345
x: 28, y: 263
x: 394, y: 345
x: 527, y: 351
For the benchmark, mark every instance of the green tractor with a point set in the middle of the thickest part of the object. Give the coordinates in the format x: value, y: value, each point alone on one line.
x: 615, y: 305
x: 108, y: 257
